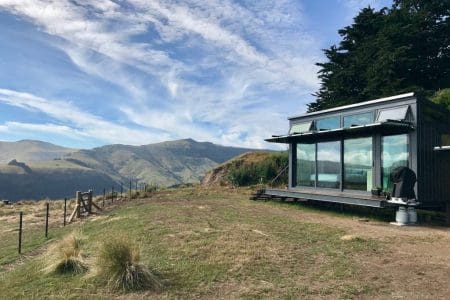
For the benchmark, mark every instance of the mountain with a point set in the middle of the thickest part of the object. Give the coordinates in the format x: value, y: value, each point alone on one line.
x: 31, y: 151
x: 36, y: 170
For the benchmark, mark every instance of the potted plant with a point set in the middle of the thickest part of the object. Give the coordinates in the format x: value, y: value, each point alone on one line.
x: 377, y: 191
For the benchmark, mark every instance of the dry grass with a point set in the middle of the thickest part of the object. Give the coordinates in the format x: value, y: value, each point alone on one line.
x: 216, y: 244
x: 119, y: 265
x: 67, y: 257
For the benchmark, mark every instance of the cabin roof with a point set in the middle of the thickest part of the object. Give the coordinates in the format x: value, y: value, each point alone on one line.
x: 356, y: 105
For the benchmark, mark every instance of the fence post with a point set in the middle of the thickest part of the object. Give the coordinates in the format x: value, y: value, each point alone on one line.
x: 90, y: 196
x: 46, y: 219
x: 104, y: 196
x: 121, y: 189
x: 78, y: 196
x: 136, y: 186
x: 112, y: 194
x: 20, y: 232
x: 65, y: 210
x: 130, y: 189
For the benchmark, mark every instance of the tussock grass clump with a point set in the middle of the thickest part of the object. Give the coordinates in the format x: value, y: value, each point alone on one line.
x: 119, y: 264
x: 69, y: 259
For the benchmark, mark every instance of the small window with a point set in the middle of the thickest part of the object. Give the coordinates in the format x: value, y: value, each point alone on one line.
x: 328, y: 123
x: 358, y: 119
x: 445, y: 139
x: 300, y: 128
x: 397, y: 113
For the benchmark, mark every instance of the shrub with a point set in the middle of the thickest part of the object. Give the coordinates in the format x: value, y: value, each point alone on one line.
x: 119, y: 265
x: 69, y: 258
x: 242, y: 174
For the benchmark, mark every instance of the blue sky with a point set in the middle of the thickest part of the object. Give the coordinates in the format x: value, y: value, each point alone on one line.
x: 84, y: 73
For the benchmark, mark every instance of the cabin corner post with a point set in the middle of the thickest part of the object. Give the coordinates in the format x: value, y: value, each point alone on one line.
x: 292, y: 159
x: 447, y: 213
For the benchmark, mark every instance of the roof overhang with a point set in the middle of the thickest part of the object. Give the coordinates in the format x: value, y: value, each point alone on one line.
x: 355, y: 105
x: 313, y: 136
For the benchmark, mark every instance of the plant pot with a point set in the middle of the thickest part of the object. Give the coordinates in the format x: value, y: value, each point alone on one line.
x: 376, y: 192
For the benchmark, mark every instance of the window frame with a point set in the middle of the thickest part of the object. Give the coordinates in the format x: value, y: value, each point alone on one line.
x: 310, y: 128
x: 381, y: 110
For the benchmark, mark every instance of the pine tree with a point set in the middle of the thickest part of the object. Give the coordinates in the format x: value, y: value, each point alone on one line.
x: 387, y: 52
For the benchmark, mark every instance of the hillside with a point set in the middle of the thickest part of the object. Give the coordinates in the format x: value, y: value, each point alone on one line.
x: 247, y: 169
x: 31, y: 151
x: 217, y: 244
x: 54, y: 172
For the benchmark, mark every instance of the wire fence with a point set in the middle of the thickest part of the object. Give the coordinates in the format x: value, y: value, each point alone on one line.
x: 55, y: 214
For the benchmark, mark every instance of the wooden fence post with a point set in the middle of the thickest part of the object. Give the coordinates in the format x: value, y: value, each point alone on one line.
x: 104, y: 196
x: 130, y: 189
x: 112, y: 194
x: 78, y: 196
x: 121, y: 190
x: 90, y: 194
x: 46, y: 219
x: 20, y: 232
x: 65, y: 210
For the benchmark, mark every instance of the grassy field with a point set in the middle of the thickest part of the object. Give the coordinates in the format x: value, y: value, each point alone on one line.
x: 211, y: 243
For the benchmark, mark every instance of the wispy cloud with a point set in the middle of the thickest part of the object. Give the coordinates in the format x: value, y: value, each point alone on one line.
x: 194, y: 68
x: 74, y: 121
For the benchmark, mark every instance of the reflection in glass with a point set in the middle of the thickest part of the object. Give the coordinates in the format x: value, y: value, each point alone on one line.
x: 328, y: 164
x: 306, y: 165
x: 359, y: 119
x: 328, y: 123
x: 394, y: 154
x: 396, y: 113
x: 358, y: 164
x: 300, y: 128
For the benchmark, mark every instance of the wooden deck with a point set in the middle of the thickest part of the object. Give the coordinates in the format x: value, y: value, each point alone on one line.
x: 326, y: 196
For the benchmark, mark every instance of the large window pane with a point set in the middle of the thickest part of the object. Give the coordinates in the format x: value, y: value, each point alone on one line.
x: 358, y: 164
x: 306, y: 164
x: 394, y: 154
x: 328, y: 123
x: 358, y: 119
x: 328, y: 164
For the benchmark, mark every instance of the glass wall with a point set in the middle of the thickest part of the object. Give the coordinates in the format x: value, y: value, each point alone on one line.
x: 358, y: 164
x: 329, y: 164
x: 306, y: 165
x: 394, y: 154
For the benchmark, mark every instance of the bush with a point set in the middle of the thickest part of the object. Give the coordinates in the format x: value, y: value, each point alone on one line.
x: 69, y: 257
x: 119, y: 265
x: 264, y: 172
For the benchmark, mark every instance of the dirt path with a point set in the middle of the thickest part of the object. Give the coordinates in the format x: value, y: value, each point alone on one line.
x: 416, y: 264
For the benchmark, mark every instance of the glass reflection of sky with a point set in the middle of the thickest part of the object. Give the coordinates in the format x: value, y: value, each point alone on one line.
x: 358, y: 163
x: 328, y: 123
x: 359, y: 119
x: 394, y: 154
x: 306, y: 165
x: 328, y: 164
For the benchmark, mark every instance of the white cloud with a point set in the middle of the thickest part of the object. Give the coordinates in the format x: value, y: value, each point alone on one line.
x: 76, y: 121
x: 256, y: 52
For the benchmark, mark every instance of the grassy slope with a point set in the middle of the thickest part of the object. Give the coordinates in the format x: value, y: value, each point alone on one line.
x: 247, y: 169
x: 217, y: 244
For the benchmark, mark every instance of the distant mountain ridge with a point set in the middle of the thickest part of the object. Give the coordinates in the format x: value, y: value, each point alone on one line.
x: 31, y: 151
x: 56, y: 171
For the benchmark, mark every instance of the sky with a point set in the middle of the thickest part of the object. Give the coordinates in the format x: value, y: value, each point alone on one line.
x: 85, y: 73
